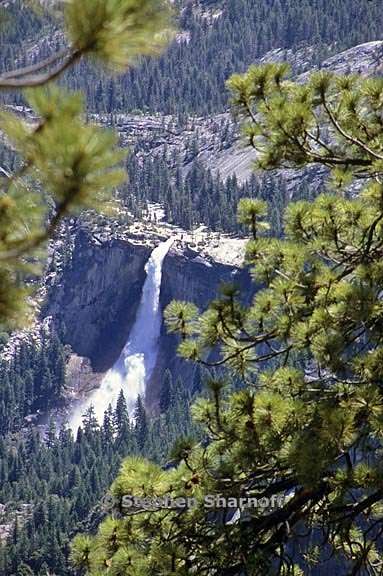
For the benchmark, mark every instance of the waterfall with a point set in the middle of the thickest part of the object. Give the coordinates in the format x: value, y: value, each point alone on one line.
x: 138, y: 358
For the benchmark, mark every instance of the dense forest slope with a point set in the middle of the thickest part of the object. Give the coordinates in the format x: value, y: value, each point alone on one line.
x: 216, y: 39
x: 224, y: 37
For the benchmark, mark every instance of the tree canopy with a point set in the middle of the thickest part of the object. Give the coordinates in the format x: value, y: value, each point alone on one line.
x: 306, y: 428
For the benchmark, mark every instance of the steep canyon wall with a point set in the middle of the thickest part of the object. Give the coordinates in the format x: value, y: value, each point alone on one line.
x: 96, y: 300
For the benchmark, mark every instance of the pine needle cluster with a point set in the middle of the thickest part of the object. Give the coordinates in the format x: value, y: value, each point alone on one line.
x: 308, y: 427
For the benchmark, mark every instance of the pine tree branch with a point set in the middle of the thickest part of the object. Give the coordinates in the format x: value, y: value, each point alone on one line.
x: 262, y: 358
x: 33, y: 68
x: 371, y: 234
x: 359, y: 507
x: 42, y: 79
x: 318, y: 140
x: 347, y: 136
x: 296, y: 504
x: 37, y: 241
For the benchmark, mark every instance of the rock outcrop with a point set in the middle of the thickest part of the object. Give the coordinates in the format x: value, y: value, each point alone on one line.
x: 95, y: 301
x: 196, y: 279
x: 219, y: 147
x: 80, y: 376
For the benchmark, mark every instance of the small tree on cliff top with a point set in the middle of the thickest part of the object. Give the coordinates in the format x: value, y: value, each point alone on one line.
x: 312, y: 435
x: 76, y: 163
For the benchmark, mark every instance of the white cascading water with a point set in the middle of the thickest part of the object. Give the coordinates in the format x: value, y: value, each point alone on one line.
x: 138, y: 358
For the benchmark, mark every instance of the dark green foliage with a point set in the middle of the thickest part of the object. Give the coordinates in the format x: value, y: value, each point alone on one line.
x: 305, y: 431
x: 218, y: 47
x: 200, y: 197
x: 166, y: 391
x: 55, y: 484
x: 32, y: 381
x: 140, y: 423
x: 61, y: 481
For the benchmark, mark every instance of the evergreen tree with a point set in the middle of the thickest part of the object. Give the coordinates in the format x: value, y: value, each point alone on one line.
x: 166, y: 391
x: 240, y: 32
x: 122, y: 424
x: 89, y: 421
x: 108, y: 426
x: 121, y: 416
x: 140, y: 423
x: 53, y: 486
x: 304, y: 435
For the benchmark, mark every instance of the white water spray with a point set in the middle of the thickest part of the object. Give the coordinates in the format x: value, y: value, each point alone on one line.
x: 138, y: 358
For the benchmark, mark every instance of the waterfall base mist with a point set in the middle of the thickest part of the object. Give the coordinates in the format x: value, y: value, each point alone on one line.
x: 138, y: 358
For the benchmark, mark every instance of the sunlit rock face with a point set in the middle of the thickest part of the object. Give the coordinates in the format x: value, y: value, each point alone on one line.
x: 196, y: 279
x: 137, y: 360
x: 96, y: 303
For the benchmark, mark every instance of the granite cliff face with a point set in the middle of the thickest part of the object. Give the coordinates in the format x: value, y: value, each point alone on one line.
x: 190, y: 277
x: 220, y: 148
x: 96, y: 299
